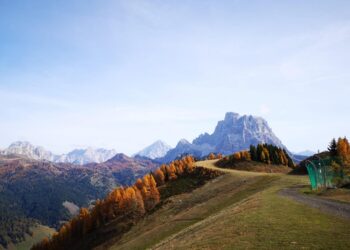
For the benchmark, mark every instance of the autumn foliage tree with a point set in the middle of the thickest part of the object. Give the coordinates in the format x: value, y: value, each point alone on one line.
x: 213, y: 156
x: 159, y: 177
x: 343, y: 150
x: 340, y: 151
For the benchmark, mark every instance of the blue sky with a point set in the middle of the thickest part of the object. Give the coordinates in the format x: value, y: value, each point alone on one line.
x: 122, y: 74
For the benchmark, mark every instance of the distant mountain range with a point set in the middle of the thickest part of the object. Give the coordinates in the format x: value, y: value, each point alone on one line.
x: 234, y: 133
x: 77, y: 156
x: 157, y: 149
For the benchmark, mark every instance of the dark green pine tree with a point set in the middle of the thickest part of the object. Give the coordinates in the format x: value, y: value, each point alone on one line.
x: 332, y: 148
x: 259, y: 150
x: 253, y: 153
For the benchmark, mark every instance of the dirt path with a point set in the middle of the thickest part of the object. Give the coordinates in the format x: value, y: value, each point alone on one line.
x: 326, y: 206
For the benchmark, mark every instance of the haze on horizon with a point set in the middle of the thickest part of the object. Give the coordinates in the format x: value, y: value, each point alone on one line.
x: 122, y: 74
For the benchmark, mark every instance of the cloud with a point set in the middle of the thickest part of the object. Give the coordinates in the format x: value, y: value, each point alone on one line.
x: 264, y: 109
x: 27, y: 99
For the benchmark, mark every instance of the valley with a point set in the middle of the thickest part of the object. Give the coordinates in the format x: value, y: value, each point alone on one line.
x: 198, y: 195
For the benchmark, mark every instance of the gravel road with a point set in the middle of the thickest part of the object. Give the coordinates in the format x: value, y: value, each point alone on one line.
x: 326, y: 206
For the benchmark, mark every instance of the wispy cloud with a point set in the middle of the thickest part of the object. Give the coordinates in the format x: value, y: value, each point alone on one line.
x: 24, y: 100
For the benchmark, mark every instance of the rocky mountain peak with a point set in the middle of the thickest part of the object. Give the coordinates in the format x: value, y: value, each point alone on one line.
x: 183, y: 142
x: 155, y: 150
x: 120, y: 158
x: 231, y: 116
x: 27, y: 149
x: 234, y: 133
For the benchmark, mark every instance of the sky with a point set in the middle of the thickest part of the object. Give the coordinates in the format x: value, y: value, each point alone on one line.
x: 122, y: 74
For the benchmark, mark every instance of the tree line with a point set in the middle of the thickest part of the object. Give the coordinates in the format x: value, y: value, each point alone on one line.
x: 340, y: 149
x: 123, y: 204
x: 270, y: 154
x: 265, y: 153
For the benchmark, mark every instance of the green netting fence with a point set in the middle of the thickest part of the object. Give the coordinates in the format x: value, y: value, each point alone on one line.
x: 323, y: 175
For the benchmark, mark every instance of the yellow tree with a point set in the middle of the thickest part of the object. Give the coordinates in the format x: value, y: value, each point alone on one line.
x: 211, y: 156
x: 341, y: 148
x: 140, y: 206
x: 159, y: 177
x: 154, y: 193
x: 139, y: 184
x: 245, y: 155
x: 267, y: 155
x: 85, y: 218
x: 171, y: 170
x: 237, y: 156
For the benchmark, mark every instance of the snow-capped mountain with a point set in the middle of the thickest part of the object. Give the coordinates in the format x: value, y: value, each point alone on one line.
x: 77, y: 156
x: 28, y: 150
x: 156, y: 150
x: 234, y: 133
x: 88, y: 155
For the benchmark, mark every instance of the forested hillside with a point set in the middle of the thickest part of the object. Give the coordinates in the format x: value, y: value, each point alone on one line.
x: 35, y: 191
x: 123, y: 207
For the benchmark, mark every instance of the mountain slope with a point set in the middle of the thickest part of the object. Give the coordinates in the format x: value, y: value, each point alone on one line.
x: 240, y: 210
x: 156, y: 150
x: 125, y: 169
x: 36, y: 191
x: 234, y: 133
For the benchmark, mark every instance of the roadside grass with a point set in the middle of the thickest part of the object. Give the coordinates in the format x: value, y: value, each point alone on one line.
x: 337, y: 194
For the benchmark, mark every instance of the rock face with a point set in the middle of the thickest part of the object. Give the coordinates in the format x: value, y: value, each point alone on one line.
x: 234, y: 133
x: 77, y: 156
x: 156, y: 150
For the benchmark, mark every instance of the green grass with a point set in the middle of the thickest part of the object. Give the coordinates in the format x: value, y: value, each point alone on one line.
x: 185, y: 210
x: 240, y: 210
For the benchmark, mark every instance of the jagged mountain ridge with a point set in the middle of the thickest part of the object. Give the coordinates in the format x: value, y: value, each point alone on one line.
x: 77, y: 156
x: 234, y: 133
x: 157, y: 149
